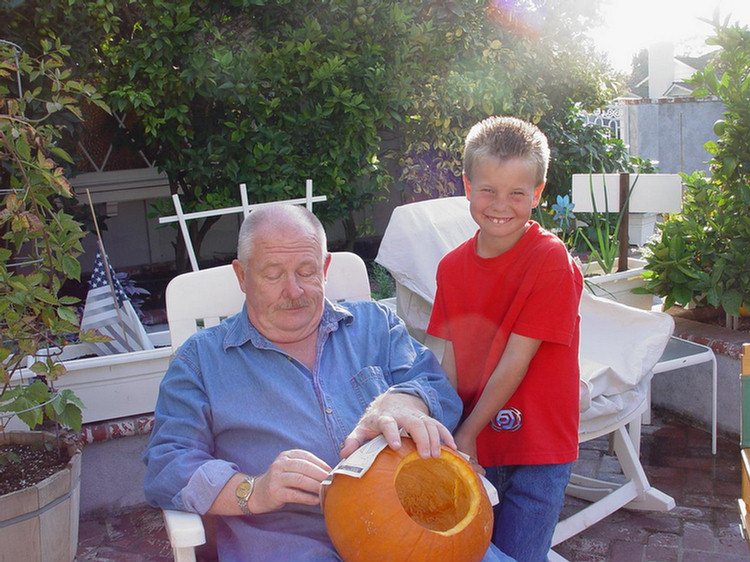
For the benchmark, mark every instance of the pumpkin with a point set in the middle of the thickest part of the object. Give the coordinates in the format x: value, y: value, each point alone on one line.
x: 408, y: 508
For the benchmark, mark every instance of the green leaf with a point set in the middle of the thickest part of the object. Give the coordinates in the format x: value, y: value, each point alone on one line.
x: 57, y: 151
x: 39, y: 368
x: 71, y: 267
x: 69, y: 397
x: 732, y: 301
x: 68, y: 315
x: 66, y: 410
x: 92, y: 336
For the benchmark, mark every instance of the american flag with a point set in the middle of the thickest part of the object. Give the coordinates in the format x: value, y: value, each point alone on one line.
x: 120, y: 322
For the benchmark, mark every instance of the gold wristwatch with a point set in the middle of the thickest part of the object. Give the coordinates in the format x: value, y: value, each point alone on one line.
x: 243, y: 492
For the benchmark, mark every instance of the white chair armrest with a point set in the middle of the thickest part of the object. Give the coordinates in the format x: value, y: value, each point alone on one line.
x: 185, y: 532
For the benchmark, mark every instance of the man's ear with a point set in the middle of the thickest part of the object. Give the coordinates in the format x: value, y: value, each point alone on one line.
x: 467, y: 187
x: 537, y: 195
x: 326, y: 265
x: 239, y: 271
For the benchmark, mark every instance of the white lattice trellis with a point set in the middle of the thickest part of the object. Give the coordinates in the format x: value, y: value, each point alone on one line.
x: 245, y: 208
x: 610, y: 117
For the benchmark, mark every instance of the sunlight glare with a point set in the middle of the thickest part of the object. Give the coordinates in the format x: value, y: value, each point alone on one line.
x: 632, y: 25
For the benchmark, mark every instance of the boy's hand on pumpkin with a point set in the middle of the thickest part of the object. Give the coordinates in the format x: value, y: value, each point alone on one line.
x: 470, y: 449
x: 467, y: 444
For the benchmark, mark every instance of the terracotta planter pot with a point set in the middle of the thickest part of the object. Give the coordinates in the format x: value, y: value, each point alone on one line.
x: 40, y: 523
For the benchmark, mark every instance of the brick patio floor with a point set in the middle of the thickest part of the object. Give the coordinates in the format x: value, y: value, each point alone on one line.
x: 677, y: 458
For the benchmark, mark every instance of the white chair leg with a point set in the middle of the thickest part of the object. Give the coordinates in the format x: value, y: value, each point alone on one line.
x: 589, y: 489
x: 647, y: 498
x: 608, y: 497
x: 186, y: 554
x: 553, y: 556
x: 185, y: 532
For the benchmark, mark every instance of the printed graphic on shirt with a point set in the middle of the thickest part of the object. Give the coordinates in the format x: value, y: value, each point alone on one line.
x: 507, y: 420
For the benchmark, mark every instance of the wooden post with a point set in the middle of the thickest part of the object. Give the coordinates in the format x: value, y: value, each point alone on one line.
x: 744, y: 501
x: 745, y: 397
x: 624, y: 212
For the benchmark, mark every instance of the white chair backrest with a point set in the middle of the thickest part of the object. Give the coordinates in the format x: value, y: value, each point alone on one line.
x: 200, y: 299
x: 347, y: 278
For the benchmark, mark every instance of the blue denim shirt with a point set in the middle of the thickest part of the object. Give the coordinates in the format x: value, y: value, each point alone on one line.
x: 232, y: 401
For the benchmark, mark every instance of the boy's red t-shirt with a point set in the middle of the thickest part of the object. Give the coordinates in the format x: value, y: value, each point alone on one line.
x: 533, y: 290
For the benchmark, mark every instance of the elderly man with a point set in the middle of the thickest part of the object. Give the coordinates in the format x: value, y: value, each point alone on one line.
x: 253, y: 413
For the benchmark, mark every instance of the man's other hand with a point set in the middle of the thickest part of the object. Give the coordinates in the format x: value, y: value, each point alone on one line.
x: 391, y: 412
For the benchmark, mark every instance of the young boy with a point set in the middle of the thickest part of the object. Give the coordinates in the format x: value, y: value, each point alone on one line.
x: 507, y: 308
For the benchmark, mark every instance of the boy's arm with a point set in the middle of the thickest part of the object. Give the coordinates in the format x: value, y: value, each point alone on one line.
x: 448, y: 364
x: 508, y: 374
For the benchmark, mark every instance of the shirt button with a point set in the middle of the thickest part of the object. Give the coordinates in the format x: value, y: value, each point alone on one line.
x: 329, y: 411
x: 289, y: 358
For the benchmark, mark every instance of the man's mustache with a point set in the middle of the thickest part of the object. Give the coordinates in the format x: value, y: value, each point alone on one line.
x: 292, y: 304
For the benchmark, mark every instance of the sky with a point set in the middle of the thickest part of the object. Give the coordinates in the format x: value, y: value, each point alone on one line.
x: 631, y: 25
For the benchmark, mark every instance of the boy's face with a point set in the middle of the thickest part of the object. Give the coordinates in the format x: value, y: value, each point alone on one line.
x: 502, y: 196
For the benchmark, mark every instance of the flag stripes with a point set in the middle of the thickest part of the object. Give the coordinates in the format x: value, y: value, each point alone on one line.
x: 116, y: 319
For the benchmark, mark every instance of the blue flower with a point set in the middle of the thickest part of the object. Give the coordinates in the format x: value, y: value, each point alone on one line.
x: 563, y: 211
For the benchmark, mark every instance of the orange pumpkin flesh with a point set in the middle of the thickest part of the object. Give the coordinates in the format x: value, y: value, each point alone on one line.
x: 409, y: 508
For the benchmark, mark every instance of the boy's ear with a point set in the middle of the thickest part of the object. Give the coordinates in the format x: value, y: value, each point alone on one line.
x: 467, y: 187
x: 537, y: 194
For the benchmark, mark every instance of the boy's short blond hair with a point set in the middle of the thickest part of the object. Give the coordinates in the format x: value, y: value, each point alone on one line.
x: 504, y: 138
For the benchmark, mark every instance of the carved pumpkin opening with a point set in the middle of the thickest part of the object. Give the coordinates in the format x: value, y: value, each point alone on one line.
x: 409, y: 509
x: 434, y: 492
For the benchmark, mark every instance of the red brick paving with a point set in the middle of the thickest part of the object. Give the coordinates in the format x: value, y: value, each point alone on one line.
x: 136, y: 535
x: 677, y: 458
x: 703, y: 527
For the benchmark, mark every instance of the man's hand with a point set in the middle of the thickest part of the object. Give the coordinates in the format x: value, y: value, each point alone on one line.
x: 293, y: 477
x: 388, y: 414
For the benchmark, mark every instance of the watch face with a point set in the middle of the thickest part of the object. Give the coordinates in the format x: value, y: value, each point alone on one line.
x: 243, y: 489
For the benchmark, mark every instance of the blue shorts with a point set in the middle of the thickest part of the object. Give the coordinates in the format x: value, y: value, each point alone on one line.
x: 531, y: 498
x: 494, y: 555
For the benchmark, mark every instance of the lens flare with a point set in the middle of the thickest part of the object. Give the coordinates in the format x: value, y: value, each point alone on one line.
x: 521, y: 17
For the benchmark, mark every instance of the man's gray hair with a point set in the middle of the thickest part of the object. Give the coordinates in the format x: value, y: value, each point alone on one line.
x: 283, y: 215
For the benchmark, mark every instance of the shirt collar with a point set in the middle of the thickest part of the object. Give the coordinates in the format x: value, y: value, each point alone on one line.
x: 240, y: 330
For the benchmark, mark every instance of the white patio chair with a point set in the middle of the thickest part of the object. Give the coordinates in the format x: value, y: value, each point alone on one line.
x: 619, y: 347
x: 200, y: 299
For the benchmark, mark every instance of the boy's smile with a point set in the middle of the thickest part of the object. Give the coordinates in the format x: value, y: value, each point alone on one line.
x: 502, y: 196
x: 498, y: 221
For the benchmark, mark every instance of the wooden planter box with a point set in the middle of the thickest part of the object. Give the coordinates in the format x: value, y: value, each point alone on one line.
x: 114, y: 386
x: 40, y: 523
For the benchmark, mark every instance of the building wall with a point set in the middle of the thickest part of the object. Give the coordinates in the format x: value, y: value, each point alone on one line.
x: 671, y: 131
x: 132, y: 239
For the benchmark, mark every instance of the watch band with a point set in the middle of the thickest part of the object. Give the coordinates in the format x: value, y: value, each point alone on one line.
x: 244, y: 491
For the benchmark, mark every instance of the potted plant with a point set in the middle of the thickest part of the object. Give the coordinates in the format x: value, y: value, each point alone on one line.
x: 598, y: 235
x: 39, y: 248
